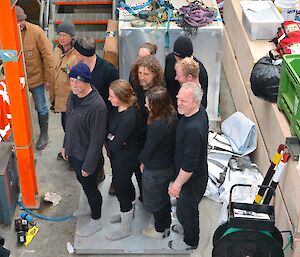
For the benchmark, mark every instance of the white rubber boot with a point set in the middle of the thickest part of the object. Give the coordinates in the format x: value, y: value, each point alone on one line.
x: 125, y: 228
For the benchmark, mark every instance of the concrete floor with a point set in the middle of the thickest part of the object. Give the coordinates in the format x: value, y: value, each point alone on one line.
x: 54, y: 176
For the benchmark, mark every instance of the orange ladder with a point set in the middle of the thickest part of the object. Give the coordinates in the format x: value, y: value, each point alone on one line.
x: 17, y: 91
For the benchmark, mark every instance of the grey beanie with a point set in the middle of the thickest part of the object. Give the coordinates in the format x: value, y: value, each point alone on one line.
x: 21, y: 15
x: 67, y: 27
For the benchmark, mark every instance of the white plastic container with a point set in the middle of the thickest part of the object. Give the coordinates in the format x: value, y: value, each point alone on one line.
x: 261, y: 19
x: 287, y: 8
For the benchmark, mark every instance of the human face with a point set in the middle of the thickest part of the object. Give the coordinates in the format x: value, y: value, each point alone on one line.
x: 79, y: 88
x: 22, y: 24
x: 142, y: 52
x: 64, y: 39
x: 180, y: 76
x: 146, y: 77
x: 115, y: 101
x: 185, y: 102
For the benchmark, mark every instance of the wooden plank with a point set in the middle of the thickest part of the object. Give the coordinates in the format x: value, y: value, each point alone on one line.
x: 283, y: 222
x: 242, y: 102
x: 272, y: 123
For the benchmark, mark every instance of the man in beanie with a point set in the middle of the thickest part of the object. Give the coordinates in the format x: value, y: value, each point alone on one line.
x: 65, y: 59
x: 103, y: 74
x: 84, y: 137
x: 39, y: 64
x: 183, y: 47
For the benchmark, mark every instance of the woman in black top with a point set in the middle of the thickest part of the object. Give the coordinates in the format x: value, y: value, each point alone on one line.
x: 157, y: 160
x: 123, y: 150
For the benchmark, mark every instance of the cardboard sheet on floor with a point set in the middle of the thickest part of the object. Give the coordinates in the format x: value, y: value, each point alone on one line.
x: 137, y: 243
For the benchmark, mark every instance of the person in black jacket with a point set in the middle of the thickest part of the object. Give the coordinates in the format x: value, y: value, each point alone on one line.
x: 103, y: 74
x: 122, y: 144
x: 190, y: 165
x: 183, y: 47
x: 146, y: 73
x: 84, y: 137
x: 157, y: 160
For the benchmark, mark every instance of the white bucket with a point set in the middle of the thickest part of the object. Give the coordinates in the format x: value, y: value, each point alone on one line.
x: 287, y: 8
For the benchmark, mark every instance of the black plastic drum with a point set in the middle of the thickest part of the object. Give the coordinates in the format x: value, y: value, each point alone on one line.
x: 247, y: 243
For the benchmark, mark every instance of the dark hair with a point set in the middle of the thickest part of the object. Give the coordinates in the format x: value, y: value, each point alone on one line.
x: 153, y: 65
x: 151, y: 47
x: 123, y: 90
x: 160, y: 106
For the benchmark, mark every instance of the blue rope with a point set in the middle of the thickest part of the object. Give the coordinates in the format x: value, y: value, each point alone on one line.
x: 44, y: 217
x: 170, y: 13
x: 132, y: 9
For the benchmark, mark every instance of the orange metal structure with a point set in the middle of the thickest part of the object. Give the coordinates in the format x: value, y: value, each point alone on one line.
x: 10, y: 40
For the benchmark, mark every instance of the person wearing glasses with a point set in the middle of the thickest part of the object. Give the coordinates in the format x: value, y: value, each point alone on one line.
x: 65, y: 59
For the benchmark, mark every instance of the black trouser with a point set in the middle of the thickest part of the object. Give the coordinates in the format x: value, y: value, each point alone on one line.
x: 122, y: 173
x: 138, y: 176
x: 162, y: 218
x: 187, y: 208
x: 89, y: 186
x: 63, y: 120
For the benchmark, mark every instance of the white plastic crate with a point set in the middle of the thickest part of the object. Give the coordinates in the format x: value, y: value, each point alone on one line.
x: 261, y: 19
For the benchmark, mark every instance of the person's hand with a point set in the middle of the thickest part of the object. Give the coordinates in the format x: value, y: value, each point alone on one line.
x: 175, y: 189
x: 84, y: 173
x: 142, y: 167
x: 63, y: 154
x: 47, y: 85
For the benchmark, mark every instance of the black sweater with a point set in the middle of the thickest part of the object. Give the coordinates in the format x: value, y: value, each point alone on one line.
x: 102, y: 75
x: 158, y: 151
x: 173, y: 85
x: 85, y: 128
x: 123, y: 126
x: 191, y: 144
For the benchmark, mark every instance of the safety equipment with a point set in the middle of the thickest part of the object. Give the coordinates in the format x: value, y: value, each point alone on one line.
x: 43, y: 138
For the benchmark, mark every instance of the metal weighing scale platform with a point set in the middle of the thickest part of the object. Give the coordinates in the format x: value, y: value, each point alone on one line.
x: 137, y: 243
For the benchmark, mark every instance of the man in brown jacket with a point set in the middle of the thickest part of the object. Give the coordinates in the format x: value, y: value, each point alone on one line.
x: 39, y: 64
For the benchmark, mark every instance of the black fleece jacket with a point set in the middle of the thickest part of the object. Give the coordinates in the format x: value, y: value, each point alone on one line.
x: 85, y: 128
x: 102, y: 75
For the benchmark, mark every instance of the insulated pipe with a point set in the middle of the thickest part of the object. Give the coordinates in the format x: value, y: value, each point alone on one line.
x: 46, y: 17
x: 41, y: 18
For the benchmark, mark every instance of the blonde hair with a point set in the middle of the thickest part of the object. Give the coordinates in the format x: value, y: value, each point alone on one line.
x: 189, y: 67
x: 123, y: 90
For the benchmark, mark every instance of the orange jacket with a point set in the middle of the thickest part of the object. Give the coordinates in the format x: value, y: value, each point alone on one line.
x: 5, y: 115
x: 39, y: 60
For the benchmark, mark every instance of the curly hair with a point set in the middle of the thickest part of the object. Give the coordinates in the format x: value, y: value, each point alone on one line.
x: 189, y: 67
x: 160, y: 105
x: 123, y: 91
x: 151, y: 63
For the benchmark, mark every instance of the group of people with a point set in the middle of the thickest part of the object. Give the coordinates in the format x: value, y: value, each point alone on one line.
x: 154, y: 125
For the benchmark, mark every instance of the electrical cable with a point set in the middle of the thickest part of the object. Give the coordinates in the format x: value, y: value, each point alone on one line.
x: 44, y: 217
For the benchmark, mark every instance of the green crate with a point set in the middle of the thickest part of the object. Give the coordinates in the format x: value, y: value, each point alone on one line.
x: 289, y: 91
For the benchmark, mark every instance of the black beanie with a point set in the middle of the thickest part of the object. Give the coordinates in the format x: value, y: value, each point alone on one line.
x: 183, y: 47
x: 66, y: 27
